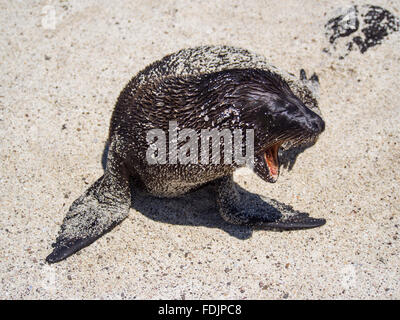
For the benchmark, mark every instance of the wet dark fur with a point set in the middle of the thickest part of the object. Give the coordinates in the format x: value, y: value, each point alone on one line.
x: 261, y: 100
x: 205, y: 87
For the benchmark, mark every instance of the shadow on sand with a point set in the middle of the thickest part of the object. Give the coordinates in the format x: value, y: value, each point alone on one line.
x: 199, y: 208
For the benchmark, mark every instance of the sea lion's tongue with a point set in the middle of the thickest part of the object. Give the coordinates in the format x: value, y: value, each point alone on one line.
x: 271, y: 159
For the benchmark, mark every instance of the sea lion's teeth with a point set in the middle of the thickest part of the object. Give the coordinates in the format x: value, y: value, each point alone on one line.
x: 271, y: 161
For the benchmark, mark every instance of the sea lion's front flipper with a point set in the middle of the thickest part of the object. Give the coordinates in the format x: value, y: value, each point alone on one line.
x: 238, y: 206
x: 287, y: 218
x: 104, y: 205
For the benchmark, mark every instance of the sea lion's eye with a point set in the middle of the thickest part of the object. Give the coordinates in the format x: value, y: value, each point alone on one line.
x: 291, y: 108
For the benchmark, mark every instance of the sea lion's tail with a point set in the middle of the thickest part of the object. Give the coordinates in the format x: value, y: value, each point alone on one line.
x: 104, y: 205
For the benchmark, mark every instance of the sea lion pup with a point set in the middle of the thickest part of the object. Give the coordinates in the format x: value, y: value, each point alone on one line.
x: 217, y: 87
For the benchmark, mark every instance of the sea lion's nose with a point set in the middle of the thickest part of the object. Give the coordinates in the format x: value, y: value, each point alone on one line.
x: 312, y: 122
x: 316, y: 124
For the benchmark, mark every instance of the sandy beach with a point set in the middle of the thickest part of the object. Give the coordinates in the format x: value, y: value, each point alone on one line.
x: 63, y: 65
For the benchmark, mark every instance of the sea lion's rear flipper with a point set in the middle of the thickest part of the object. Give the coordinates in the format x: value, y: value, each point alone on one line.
x: 104, y: 205
x: 241, y: 207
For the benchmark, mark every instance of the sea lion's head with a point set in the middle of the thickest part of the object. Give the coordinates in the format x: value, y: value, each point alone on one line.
x: 280, y: 120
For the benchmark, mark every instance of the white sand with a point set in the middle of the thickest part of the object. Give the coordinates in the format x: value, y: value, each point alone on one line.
x: 71, y: 76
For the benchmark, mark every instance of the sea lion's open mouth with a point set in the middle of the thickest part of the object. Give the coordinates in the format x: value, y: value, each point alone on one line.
x: 272, y: 160
x: 267, y: 160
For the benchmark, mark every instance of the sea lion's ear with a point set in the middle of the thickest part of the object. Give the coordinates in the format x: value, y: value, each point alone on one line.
x: 303, y: 75
x: 314, y: 78
x: 312, y: 83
